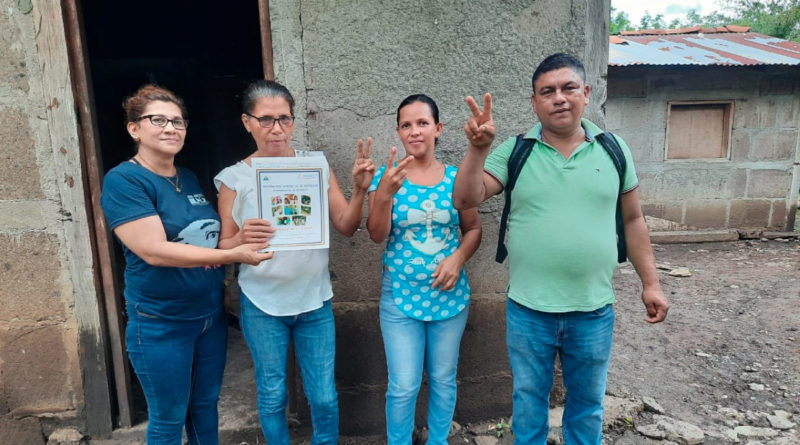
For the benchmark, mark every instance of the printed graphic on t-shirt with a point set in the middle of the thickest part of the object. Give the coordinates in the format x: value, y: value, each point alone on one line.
x: 197, y: 199
x: 201, y: 232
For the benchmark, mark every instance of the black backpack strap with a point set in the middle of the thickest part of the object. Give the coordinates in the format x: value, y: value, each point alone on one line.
x: 610, y: 144
x: 522, y: 149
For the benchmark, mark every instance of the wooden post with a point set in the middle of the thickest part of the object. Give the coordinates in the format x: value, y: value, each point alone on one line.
x: 59, y: 108
x: 266, y: 39
x: 102, y: 242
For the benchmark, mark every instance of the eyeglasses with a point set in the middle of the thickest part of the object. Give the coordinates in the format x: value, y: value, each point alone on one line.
x: 269, y: 121
x: 162, y: 121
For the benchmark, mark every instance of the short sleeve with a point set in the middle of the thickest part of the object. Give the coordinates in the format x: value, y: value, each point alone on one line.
x: 376, y: 179
x: 497, y: 162
x: 630, y: 181
x: 227, y: 177
x: 125, y: 199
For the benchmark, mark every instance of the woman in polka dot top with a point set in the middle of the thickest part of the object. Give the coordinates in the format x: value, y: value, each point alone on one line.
x: 425, y: 292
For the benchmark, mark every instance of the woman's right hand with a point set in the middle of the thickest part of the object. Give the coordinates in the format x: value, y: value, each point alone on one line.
x: 249, y: 253
x: 394, y: 175
x: 256, y: 231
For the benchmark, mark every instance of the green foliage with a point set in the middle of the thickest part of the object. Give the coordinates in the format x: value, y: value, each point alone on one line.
x: 501, y: 429
x: 778, y: 18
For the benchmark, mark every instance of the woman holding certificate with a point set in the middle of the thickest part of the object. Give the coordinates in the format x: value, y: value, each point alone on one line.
x: 177, y: 328
x: 424, y: 293
x: 288, y: 297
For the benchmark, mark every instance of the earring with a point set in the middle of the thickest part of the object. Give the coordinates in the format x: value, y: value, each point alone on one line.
x: 135, y: 138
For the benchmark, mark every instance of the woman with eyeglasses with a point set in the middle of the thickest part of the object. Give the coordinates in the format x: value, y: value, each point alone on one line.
x: 177, y: 329
x: 289, y: 297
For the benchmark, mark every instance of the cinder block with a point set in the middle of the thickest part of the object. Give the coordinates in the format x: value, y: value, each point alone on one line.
x: 26, y: 431
x: 750, y: 213
x: 769, y: 184
x: 780, y: 146
x: 483, y: 346
x: 29, y: 278
x: 12, y: 61
x: 788, y: 112
x: 360, y: 358
x: 779, y: 217
x: 670, y: 211
x: 706, y: 214
x: 36, y: 369
x: 740, y: 144
x: 362, y: 412
x: 680, y: 181
x: 18, y: 169
x: 484, y: 399
x: 355, y: 267
x: 755, y: 113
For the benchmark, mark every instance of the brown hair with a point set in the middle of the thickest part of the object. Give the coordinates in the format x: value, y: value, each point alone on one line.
x: 135, y: 104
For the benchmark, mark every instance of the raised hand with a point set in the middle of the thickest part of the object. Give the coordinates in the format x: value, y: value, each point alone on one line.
x: 394, y: 175
x: 363, y: 168
x: 480, y: 127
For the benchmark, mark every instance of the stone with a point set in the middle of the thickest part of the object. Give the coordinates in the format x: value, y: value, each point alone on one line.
x: 555, y: 436
x: 756, y: 387
x: 650, y: 405
x: 18, y: 170
x: 455, y: 428
x: 65, y: 436
x: 555, y: 416
x: 779, y: 422
x: 671, y: 429
x: 754, y: 431
x: 620, y: 411
x: 680, y: 272
x: 780, y: 412
x: 702, y: 354
x: 486, y: 440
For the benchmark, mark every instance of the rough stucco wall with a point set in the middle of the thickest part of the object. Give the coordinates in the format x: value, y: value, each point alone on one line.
x: 39, y: 359
x: 752, y: 189
x: 352, y: 65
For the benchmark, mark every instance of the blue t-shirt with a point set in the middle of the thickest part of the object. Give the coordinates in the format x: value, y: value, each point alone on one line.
x: 132, y: 192
x: 424, y: 232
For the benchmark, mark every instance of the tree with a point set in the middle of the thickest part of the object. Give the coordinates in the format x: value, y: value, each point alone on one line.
x: 777, y: 18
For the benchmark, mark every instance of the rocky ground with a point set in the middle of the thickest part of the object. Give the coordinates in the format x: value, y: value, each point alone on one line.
x: 724, y: 368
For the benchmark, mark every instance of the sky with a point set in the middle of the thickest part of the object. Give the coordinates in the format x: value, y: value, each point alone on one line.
x: 672, y: 9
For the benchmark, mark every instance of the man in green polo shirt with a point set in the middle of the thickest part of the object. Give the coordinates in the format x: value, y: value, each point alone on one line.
x: 562, y: 249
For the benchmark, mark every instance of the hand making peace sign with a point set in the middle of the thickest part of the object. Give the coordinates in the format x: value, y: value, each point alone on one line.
x: 363, y: 168
x: 394, y: 175
x: 480, y: 127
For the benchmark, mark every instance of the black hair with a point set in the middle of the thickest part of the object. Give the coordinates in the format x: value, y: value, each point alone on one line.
x: 555, y: 62
x: 265, y: 88
x: 419, y: 98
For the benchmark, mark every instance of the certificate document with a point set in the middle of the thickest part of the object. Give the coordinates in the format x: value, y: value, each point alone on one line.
x: 293, y: 197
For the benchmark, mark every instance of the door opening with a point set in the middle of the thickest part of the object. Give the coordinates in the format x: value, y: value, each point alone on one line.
x: 206, y: 54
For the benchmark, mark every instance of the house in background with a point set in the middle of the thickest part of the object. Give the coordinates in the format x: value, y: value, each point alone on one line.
x: 712, y: 117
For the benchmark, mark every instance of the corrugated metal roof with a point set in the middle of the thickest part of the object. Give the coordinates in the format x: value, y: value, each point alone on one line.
x: 701, y: 46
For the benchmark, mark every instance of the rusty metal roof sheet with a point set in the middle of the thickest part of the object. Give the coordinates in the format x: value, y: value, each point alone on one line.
x: 701, y: 46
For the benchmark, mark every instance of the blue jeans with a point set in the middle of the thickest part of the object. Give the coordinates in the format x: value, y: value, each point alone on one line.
x: 179, y: 364
x: 314, y: 337
x: 412, y: 345
x: 583, y: 342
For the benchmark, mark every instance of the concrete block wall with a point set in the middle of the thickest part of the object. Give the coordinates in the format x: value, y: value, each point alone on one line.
x: 349, y: 64
x: 40, y: 372
x: 752, y: 189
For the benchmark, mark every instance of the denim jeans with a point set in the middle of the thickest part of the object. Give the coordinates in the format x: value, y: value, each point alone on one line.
x: 412, y: 345
x: 314, y: 337
x: 583, y: 342
x: 179, y: 364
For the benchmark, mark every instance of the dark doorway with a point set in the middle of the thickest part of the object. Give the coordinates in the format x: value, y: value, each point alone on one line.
x: 204, y: 51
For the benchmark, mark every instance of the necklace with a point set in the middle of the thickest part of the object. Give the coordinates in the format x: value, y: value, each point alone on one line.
x: 176, y: 184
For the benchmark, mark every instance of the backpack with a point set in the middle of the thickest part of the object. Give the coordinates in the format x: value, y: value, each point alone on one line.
x: 522, y: 149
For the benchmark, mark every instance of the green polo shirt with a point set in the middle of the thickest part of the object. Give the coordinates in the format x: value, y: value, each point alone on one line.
x: 562, y: 246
